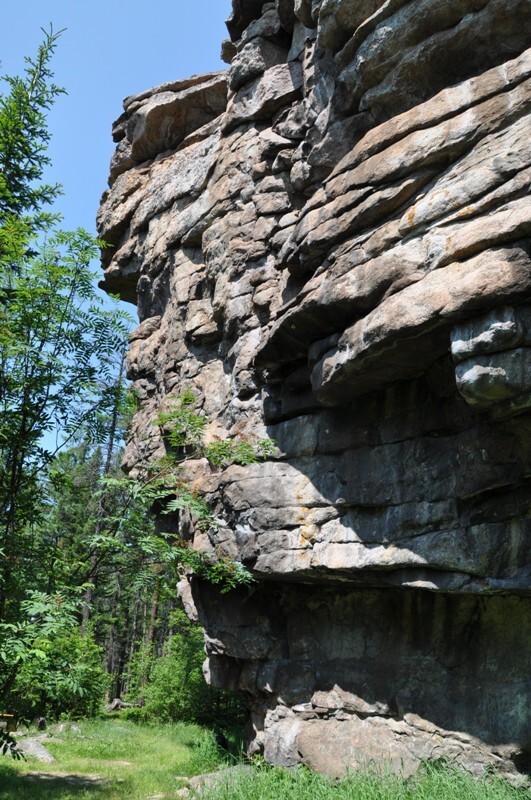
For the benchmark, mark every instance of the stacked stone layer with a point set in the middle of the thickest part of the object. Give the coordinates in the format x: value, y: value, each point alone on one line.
x: 331, y: 244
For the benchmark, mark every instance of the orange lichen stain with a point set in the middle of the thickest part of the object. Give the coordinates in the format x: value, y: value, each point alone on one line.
x: 411, y: 217
x: 301, y: 490
x: 467, y: 211
x: 308, y: 534
x: 304, y: 516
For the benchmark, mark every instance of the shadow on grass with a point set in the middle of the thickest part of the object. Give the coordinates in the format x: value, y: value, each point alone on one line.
x: 36, y: 785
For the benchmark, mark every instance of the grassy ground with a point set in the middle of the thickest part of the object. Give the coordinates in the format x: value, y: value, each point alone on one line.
x: 114, y: 759
x: 111, y: 760
x: 432, y: 783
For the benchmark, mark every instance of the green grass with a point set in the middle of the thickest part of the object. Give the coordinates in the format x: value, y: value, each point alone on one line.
x: 137, y: 761
x: 433, y: 782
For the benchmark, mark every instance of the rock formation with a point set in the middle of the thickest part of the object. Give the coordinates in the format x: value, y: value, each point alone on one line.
x: 331, y: 244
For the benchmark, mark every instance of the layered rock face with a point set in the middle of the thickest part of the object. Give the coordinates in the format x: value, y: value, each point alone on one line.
x: 331, y: 244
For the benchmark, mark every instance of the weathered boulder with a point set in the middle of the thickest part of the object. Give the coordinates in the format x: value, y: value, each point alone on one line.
x: 331, y: 245
x: 33, y: 748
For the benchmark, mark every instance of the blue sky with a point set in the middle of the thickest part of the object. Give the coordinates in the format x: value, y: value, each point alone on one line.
x: 111, y: 49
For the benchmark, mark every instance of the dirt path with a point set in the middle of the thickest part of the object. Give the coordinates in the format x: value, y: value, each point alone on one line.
x: 65, y: 779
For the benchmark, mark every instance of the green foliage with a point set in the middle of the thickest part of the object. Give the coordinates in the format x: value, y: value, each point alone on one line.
x: 125, y: 534
x: 8, y: 746
x: 68, y: 678
x: 24, y: 138
x: 183, y: 428
x: 217, y: 569
x: 47, y: 667
x: 172, y: 686
x: 188, y: 500
x: 58, y: 343
x: 57, y: 373
x: 41, y: 619
x: 59, y: 348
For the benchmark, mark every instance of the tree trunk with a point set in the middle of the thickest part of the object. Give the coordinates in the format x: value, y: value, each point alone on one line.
x: 153, y: 615
x: 101, y: 512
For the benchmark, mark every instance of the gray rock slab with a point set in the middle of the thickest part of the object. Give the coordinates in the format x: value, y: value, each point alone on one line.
x: 33, y: 748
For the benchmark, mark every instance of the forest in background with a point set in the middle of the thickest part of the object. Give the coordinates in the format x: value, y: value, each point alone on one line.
x: 88, y: 600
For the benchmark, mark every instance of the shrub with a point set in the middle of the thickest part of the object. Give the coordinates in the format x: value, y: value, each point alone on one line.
x: 68, y: 678
x: 172, y: 687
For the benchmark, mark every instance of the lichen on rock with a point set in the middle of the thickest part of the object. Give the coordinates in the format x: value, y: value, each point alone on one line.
x: 331, y: 244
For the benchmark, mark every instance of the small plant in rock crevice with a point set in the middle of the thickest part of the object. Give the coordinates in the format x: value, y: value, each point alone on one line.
x: 163, y: 486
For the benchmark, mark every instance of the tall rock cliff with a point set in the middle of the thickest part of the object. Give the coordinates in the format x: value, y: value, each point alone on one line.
x: 330, y: 242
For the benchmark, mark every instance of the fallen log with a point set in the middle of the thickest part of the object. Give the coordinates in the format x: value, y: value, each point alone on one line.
x: 118, y: 704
